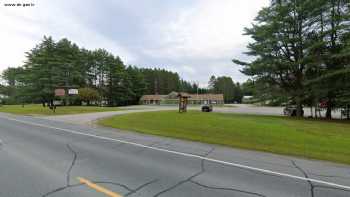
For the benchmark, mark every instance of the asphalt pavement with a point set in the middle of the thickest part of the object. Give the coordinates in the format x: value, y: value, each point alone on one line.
x: 41, y: 157
x: 90, y: 118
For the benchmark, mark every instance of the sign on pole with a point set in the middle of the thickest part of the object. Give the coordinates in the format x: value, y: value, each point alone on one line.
x: 60, y: 92
x: 73, y: 91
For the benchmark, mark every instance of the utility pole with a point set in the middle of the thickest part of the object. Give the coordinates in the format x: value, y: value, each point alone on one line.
x: 156, y: 86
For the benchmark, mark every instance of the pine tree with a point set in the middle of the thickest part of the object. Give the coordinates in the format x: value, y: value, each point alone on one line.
x: 281, y: 47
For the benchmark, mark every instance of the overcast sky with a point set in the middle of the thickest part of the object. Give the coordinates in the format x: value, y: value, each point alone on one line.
x: 196, y: 38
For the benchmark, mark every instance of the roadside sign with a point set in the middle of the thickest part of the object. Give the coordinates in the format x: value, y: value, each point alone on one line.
x: 73, y: 91
x: 60, y: 92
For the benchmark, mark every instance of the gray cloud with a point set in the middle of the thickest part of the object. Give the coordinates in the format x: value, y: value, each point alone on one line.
x: 196, y: 38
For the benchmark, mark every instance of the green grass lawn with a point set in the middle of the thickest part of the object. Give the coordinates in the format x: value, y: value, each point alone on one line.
x: 40, y: 110
x: 299, y: 137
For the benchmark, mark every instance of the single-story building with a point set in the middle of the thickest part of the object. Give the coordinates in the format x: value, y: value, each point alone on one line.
x: 172, y: 98
x: 151, y: 99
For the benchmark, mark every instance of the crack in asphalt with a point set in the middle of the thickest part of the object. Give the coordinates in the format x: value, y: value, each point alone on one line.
x: 190, y: 179
x: 208, y: 152
x: 187, y: 179
x: 140, y: 187
x: 69, y: 185
x: 60, y: 189
x: 113, y: 183
x: 178, y: 184
x: 71, y: 166
x: 130, y: 191
x: 227, y: 189
x: 312, y: 187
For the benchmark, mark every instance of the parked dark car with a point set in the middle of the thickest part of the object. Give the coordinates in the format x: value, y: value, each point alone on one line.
x: 207, y: 108
x: 291, y: 111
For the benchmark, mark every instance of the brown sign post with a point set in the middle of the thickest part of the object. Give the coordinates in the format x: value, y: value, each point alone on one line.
x: 183, y: 101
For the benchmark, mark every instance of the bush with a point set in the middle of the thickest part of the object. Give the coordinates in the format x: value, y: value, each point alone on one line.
x: 88, y: 95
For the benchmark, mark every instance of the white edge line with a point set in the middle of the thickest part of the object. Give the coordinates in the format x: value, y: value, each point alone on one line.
x: 189, y: 155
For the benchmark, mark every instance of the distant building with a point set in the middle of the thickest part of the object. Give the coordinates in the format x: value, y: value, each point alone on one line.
x: 173, y: 99
x: 151, y: 99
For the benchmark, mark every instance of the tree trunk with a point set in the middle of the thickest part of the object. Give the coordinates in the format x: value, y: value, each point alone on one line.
x: 299, y: 107
x: 316, y: 109
x: 300, y: 110
x: 329, y: 107
x: 319, y: 113
x: 329, y: 112
x: 311, y: 111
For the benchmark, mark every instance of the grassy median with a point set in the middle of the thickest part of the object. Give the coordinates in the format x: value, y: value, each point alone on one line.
x: 36, y: 109
x: 307, y: 138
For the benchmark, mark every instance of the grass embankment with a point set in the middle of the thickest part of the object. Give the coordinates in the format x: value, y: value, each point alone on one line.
x: 307, y: 138
x: 61, y: 110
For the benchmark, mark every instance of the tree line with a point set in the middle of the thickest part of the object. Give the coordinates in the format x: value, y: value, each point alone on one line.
x: 233, y: 92
x: 98, y: 74
x: 302, y: 52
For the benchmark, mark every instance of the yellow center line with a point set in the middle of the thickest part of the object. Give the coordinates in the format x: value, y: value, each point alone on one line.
x: 98, y: 188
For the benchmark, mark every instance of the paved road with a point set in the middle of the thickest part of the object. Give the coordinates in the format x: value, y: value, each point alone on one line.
x: 265, y: 110
x: 40, y: 157
x: 90, y: 118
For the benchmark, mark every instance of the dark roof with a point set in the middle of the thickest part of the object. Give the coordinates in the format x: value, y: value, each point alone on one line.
x: 217, y: 97
x: 156, y: 97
